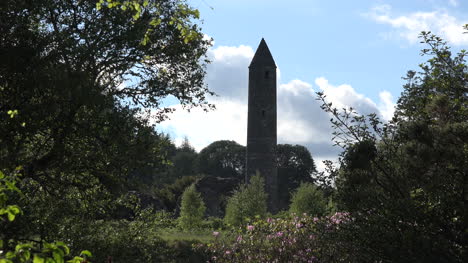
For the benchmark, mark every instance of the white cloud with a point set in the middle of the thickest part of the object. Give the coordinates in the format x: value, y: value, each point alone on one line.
x: 386, y: 106
x: 227, y: 122
x: 344, y: 96
x: 227, y: 73
x: 300, y: 119
x: 453, y: 3
x: 409, y: 26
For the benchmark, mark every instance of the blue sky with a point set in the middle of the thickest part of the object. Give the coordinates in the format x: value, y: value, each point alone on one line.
x: 355, y: 51
x: 310, y: 38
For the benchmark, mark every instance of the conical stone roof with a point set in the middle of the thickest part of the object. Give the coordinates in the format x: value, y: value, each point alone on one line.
x: 263, y: 56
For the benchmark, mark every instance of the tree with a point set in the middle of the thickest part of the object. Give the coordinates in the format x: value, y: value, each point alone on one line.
x: 295, y: 166
x: 192, y: 209
x: 222, y: 158
x: 308, y: 199
x: 65, y: 64
x: 404, y: 182
x: 248, y: 201
x: 184, y: 161
x: 78, y: 79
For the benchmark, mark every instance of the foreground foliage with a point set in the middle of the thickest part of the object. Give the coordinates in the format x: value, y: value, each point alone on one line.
x: 405, y: 182
x: 293, y: 239
x: 29, y: 251
x: 74, y: 80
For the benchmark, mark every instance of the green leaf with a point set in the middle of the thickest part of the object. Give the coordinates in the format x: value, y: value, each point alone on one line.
x: 10, y: 255
x: 11, y: 186
x: 12, y: 113
x: 21, y: 247
x: 64, y: 247
x: 86, y: 253
x: 25, y: 255
x: 14, y: 209
x: 58, y: 256
x: 196, y: 13
x: 76, y: 260
x: 11, y: 216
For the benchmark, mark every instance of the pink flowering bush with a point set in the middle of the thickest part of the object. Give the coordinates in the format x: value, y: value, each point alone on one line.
x: 294, y: 239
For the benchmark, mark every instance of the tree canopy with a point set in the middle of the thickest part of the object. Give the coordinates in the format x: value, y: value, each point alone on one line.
x: 80, y: 78
x: 222, y: 158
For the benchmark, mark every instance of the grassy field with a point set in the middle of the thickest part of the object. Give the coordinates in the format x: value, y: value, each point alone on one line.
x: 174, y: 235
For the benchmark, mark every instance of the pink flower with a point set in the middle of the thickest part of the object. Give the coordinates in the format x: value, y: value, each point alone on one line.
x: 250, y: 227
x: 279, y: 234
x: 269, y: 220
x: 215, y: 233
x: 298, y: 225
x: 315, y: 219
x: 228, y: 252
x: 239, y: 238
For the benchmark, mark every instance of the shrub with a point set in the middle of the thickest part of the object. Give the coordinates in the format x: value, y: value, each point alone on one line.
x: 308, y: 199
x: 248, y: 201
x: 192, y: 209
x: 292, y: 239
x: 142, y: 239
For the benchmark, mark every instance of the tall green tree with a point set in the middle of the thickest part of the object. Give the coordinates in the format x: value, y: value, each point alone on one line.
x: 247, y: 202
x: 308, y: 199
x: 404, y: 183
x: 192, y: 209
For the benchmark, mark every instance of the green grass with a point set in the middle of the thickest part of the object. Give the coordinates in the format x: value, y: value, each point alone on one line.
x: 175, y: 235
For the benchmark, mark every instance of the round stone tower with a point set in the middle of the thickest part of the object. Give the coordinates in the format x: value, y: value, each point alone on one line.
x: 261, y: 124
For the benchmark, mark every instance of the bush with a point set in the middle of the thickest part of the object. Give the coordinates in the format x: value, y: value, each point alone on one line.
x: 292, y: 239
x: 192, y: 209
x: 139, y: 240
x: 248, y: 201
x: 308, y: 199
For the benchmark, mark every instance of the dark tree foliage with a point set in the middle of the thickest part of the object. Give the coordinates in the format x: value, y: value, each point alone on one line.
x: 295, y: 166
x: 223, y: 159
x: 170, y: 194
x: 405, y: 182
x: 77, y: 80
x: 183, y: 162
x: 62, y: 66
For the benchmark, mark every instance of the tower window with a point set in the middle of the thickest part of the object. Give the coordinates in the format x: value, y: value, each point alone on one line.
x: 263, y: 113
x: 267, y: 74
